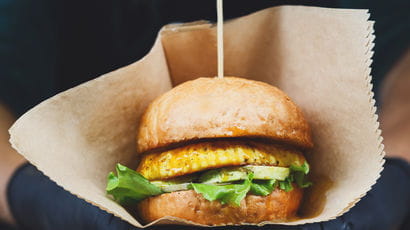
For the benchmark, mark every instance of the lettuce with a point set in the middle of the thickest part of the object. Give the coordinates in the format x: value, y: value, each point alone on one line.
x: 304, y: 168
x: 298, y: 175
x: 129, y: 187
x: 263, y: 187
x: 227, y: 194
x: 286, y: 185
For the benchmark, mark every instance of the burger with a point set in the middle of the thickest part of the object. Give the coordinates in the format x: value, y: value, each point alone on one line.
x: 218, y: 151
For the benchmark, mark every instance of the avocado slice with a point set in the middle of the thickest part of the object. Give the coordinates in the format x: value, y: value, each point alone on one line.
x: 175, y: 184
x: 261, y: 172
x: 224, y: 175
x: 171, y: 187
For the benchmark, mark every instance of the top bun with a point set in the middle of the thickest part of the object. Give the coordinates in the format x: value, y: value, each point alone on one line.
x: 222, y: 107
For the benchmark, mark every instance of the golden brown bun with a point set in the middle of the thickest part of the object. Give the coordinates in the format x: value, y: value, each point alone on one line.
x: 227, y: 107
x: 189, y: 205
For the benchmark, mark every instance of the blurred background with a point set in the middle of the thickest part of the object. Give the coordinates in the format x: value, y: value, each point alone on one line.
x: 48, y: 46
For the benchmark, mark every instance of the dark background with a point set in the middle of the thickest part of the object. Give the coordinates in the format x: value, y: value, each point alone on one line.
x: 47, y: 46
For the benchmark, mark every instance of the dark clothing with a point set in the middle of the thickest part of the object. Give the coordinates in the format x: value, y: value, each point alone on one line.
x: 47, y: 46
x: 384, y: 207
x: 51, y: 45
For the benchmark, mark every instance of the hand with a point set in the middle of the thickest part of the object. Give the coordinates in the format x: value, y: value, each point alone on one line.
x: 386, y: 206
x: 10, y: 160
x: 38, y: 203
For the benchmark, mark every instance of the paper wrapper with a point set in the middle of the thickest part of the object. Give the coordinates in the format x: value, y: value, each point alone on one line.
x: 320, y: 57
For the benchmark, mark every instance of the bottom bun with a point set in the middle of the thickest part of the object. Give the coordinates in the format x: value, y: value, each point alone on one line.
x: 189, y: 205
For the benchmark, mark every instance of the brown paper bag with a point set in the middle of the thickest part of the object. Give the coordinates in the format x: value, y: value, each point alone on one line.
x: 320, y: 57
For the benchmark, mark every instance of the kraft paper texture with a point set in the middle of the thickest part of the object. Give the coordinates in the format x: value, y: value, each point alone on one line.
x: 320, y: 57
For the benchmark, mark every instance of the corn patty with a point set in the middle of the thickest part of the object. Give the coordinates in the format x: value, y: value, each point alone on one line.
x: 201, y: 156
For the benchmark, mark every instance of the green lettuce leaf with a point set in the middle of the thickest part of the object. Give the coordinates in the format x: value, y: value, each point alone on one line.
x: 231, y: 194
x: 304, y: 168
x: 286, y: 185
x: 301, y: 180
x: 298, y: 175
x: 263, y: 187
x: 129, y: 187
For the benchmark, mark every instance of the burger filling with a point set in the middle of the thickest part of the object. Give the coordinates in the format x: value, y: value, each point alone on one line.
x: 221, y: 170
x: 203, y: 156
